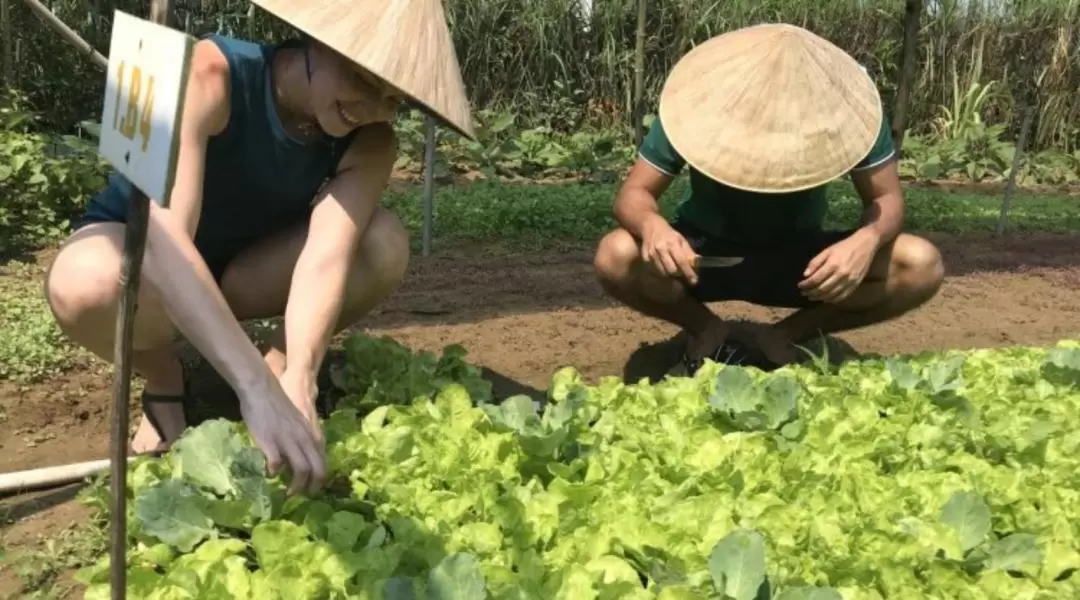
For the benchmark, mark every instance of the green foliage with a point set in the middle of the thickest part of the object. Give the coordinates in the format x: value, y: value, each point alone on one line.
x: 42, y: 568
x: 32, y: 346
x: 504, y: 150
x: 557, y: 68
x: 962, y: 147
x: 532, y: 215
x: 44, y: 180
x: 934, y: 475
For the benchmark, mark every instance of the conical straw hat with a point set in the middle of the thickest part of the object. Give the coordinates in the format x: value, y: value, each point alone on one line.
x: 770, y: 108
x: 407, y: 43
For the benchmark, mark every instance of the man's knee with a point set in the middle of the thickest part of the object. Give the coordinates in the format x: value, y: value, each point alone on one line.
x: 384, y: 248
x: 918, y: 265
x: 615, y: 256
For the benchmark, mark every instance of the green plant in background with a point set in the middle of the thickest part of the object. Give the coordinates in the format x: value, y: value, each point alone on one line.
x: 502, y: 150
x: 44, y: 179
x: 32, y: 346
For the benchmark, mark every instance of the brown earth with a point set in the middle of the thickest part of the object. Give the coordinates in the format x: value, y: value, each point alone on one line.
x: 524, y: 316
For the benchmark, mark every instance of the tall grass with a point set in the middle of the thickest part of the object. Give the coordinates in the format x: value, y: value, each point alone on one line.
x: 550, y: 64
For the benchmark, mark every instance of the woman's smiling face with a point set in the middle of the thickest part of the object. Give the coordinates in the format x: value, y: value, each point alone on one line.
x: 345, y: 97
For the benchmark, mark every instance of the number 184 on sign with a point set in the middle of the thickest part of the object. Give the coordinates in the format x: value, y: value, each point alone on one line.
x: 143, y: 104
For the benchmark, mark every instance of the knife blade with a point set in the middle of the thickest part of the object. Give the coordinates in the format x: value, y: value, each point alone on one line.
x: 717, y: 261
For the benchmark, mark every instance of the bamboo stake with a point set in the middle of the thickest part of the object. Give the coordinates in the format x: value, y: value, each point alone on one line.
x: 35, y: 479
x: 67, y: 33
x: 130, y: 275
x: 1017, y: 162
x: 639, y: 75
x: 429, y: 185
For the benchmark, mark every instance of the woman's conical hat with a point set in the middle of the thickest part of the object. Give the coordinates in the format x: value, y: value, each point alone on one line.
x: 406, y: 43
x: 770, y: 108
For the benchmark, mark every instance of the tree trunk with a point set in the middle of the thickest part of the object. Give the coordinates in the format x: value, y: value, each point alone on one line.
x: 7, y: 72
x: 912, y: 18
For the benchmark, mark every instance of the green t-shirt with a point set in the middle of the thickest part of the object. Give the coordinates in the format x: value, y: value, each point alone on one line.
x: 751, y: 217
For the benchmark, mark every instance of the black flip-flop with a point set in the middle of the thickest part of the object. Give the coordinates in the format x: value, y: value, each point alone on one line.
x: 731, y: 352
x: 147, y: 399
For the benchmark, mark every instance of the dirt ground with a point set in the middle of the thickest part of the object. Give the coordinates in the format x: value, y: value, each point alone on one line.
x: 524, y: 316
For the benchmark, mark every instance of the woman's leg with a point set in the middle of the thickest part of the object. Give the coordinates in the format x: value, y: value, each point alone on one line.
x: 82, y: 287
x: 256, y: 283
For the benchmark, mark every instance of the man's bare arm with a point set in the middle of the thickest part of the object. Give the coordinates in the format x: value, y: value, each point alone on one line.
x: 882, y: 200
x: 637, y: 203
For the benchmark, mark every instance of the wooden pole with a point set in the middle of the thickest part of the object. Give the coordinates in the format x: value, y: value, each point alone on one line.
x: 67, y: 33
x: 912, y: 19
x: 130, y: 275
x: 1031, y: 103
x: 638, y: 110
x: 1017, y: 163
x: 429, y: 185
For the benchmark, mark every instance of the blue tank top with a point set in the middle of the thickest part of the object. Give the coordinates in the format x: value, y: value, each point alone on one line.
x: 258, y: 178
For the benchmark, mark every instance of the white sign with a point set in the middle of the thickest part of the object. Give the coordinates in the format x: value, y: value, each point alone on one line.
x: 144, y: 96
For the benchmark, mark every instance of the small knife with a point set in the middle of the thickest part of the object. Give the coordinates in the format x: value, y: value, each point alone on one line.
x: 717, y: 261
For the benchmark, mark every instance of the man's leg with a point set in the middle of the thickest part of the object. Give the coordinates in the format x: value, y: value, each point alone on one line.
x: 904, y: 275
x: 628, y: 279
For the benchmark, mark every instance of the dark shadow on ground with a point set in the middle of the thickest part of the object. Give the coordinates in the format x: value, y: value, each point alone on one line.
x: 504, y: 387
x: 213, y: 398
x: 655, y: 361
x: 26, y: 504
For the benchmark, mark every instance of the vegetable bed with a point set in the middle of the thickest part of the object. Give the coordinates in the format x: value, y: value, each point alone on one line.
x: 928, y: 477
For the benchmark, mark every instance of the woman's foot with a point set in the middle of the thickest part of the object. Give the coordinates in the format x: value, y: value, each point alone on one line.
x: 170, y: 417
x: 163, y: 418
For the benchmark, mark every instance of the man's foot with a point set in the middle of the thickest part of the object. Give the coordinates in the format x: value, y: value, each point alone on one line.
x: 777, y: 346
x: 704, y: 344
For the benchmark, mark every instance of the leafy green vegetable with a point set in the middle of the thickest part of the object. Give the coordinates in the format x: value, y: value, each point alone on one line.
x: 684, y: 489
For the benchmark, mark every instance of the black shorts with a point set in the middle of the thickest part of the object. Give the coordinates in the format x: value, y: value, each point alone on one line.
x: 767, y: 276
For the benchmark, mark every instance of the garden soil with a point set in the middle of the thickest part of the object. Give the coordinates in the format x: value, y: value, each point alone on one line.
x: 523, y: 316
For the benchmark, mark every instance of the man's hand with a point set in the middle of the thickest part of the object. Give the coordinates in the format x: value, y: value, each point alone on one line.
x: 283, y: 432
x: 667, y: 250
x: 838, y: 270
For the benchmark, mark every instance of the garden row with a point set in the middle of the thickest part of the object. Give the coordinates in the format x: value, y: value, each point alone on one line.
x: 48, y: 179
x: 929, y: 476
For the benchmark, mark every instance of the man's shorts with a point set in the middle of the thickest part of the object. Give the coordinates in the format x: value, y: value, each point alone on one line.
x: 767, y: 276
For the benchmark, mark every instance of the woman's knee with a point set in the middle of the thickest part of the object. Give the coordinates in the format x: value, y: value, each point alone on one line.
x: 83, y: 281
x: 82, y: 288
x: 384, y: 248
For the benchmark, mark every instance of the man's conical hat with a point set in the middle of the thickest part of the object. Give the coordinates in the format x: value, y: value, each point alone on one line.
x: 770, y: 108
x: 406, y: 43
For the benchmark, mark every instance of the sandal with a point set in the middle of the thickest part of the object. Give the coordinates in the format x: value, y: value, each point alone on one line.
x: 731, y: 352
x: 148, y: 399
